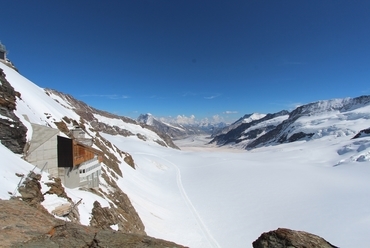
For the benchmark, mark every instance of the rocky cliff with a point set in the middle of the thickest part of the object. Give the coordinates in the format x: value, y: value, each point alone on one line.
x: 12, y: 131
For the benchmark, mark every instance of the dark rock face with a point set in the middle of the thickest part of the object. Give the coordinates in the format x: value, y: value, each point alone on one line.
x: 299, y: 136
x: 362, y: 133
x: 286, y: 238
x: 12, y: 131
x: 239, y: 133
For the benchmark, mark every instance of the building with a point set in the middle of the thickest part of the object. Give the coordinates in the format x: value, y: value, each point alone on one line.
x: 2, y: 52
x: 74, y: 161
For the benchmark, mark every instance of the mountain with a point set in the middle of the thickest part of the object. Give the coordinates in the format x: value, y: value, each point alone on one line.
x: 176, y: 130
x: 173, y: 131
x: 245, y: 119
x: 307, y: 122
x: 249, y: 128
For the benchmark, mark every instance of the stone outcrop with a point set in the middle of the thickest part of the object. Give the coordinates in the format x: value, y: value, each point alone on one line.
x: 286, y: 238
x: 101, y: 217
x: 362, y: 133
x: 12, y: 131
x: 30, y: 190
x: 25, y: 226
x: 57, y: 188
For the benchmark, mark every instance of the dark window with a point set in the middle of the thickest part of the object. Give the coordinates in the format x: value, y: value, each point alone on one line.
x: 65, y: 152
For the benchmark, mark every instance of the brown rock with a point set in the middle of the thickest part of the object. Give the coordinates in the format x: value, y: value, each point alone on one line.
x: 102, y: 217
x: 25, y: 226
x: 57, y: 188
x: 286, y: 238
x: 30, y: 189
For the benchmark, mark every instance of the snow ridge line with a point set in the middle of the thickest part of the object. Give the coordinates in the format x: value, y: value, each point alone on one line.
x: 211, y: 240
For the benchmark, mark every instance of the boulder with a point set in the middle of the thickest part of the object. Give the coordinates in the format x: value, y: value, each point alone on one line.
x: 286, y: 238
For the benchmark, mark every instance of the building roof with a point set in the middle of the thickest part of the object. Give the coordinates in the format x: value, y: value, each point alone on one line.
x: 40, y: 135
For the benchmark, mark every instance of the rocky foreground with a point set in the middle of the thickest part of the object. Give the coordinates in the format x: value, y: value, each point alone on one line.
x: 24, y: 226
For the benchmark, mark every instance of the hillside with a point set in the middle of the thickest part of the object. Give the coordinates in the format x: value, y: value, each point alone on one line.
x: 26, y: 105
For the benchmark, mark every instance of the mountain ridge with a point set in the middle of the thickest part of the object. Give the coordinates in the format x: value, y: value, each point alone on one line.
x: 293, y: 126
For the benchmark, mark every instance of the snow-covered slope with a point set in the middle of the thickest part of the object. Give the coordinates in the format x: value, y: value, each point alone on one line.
x: 224, y: 197
x: 63, y: 112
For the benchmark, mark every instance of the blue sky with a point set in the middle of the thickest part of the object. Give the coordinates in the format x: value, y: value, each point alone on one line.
x: 185, y: 57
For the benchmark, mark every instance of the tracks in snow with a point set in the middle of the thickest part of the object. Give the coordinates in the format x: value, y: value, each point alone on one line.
x: 206, y: 233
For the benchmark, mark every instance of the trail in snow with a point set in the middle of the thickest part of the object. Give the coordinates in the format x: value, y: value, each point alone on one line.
x: 206, y: 233
x: 204, y: 228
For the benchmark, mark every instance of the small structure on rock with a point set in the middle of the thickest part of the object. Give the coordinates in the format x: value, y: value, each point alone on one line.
x: 2, y: 52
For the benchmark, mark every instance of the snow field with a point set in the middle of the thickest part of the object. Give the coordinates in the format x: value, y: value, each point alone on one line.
x: 221, y: 198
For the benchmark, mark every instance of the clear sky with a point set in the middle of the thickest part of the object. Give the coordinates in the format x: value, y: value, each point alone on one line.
x: 190, y: 57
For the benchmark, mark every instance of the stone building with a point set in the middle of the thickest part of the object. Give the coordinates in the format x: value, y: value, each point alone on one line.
x: 74, y: 161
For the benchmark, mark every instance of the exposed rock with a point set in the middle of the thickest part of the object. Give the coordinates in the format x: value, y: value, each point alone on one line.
x: 129, y: 160
x: 362, y: 133
x: 125, y: 215
x: 12, y: 131
x: 25, y: 226
x: 30, y: 190
x: 57, y: 188
x: 109, y: 158
x: 102, y: 218
x: 286, y: 238
x: 244, y: 132
x: 299, y: 136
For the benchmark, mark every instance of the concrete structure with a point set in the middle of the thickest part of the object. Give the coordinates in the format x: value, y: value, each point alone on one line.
x: 76, y: 164
x: 2, y: 52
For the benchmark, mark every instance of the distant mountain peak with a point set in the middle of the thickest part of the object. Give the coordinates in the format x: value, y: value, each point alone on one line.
x: 147, y: 118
